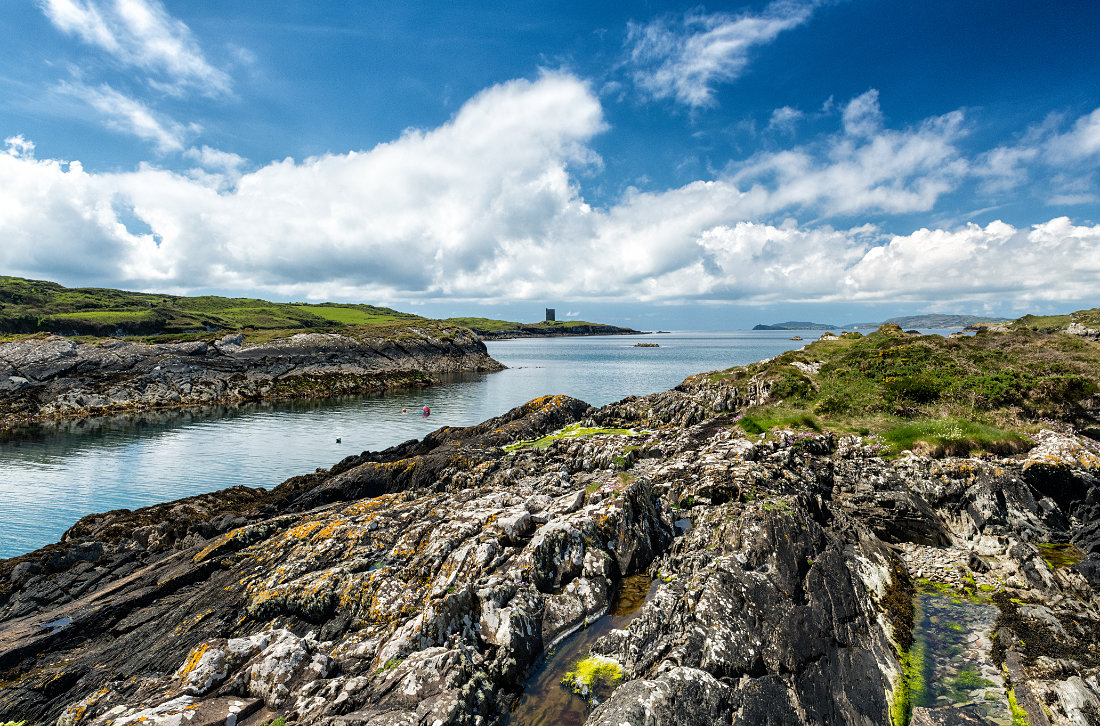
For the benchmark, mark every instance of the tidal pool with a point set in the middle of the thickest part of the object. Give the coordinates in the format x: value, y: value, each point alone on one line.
x: 951, y: 647
x: 545, y: 701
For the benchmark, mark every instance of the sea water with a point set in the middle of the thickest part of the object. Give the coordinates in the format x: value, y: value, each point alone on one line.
x: 51, y: 475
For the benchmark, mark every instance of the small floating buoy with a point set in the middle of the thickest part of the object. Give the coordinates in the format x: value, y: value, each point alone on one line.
x: 337, y: 440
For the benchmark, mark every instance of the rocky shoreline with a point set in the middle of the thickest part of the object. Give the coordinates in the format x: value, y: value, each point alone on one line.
x: 536, y: 331
x: 54, y: 377
x: 800, y: 578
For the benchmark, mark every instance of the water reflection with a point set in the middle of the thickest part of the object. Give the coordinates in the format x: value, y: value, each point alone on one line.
x: 545, y: 701
x: 53, y: 474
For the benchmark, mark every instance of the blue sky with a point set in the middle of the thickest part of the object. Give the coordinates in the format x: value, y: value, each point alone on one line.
x: 656, y: 164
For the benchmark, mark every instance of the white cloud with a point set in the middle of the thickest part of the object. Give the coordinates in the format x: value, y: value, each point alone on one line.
x: 141, y: 34
x: 865, y: 168
x: 131, y: 116
x: 486, y: 206
x: 1070, y: 154
x: 684, y: 59
x: 862, y: 116
x: 19, y: 146
x: 785, y: 119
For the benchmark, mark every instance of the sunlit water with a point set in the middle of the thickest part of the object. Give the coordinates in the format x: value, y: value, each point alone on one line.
x: 50, y: 476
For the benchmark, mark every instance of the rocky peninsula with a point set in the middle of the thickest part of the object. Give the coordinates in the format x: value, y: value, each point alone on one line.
x: 797, y: 573
x: 55, y: 377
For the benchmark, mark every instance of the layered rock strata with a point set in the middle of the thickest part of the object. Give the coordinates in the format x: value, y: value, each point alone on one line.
x: 422, y: 584
x: 56, y: 377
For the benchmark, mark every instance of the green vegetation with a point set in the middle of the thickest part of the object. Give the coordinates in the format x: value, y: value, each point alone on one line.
x: 1019, y: 715
x: 592, y: 673
x: 955, y: 437
x: 966, y: 680
x: 388, y: 666
x: 947, y: 396
x: 35, y: 306
x: 13, y: 723
x: 1089, y: 318
x: 912, y: 687
x: 572, y: 431
x: 1060, y: 555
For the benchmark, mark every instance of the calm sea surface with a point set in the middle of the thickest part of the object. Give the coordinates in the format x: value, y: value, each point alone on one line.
x: 50, y: 476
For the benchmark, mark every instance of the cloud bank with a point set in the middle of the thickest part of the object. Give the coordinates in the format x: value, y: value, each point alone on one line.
x: 487, y: 207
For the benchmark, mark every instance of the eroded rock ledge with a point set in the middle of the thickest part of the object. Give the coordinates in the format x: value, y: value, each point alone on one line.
x: 420, y: 585
x: 56, y: 377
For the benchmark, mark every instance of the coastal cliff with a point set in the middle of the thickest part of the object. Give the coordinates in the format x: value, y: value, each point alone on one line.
x: 54, y: 377
x: 798, y: 576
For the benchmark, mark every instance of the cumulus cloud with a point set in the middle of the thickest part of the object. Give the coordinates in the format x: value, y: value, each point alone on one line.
x: 684, y: 58
x: 864, y: 168
x: 486, y: 206
x: 141, y: 34
x: 131, y: 116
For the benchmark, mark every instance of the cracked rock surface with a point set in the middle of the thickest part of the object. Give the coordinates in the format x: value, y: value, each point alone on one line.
x: 56, y: 377
x: 424, y: 583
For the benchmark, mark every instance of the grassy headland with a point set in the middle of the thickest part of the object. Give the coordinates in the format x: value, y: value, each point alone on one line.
x: 944, y: 395
x: 29, y: 307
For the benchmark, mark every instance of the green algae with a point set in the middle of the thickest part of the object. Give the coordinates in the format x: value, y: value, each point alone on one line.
x: 1019, y: 715
x: 1058, y: 556
x: 592, y: 675
x: 572, y: 431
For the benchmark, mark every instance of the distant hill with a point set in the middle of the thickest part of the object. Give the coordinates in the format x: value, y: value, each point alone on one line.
x: 931, y: 321
x: 797, y: 325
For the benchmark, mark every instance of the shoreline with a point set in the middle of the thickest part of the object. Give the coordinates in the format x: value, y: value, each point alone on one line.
x: 55, y: 378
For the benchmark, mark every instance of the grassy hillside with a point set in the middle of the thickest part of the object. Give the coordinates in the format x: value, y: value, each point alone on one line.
x: 34, y: 306
x: 1089, y: 318
x: 954, y: 395
x: 29, y: 307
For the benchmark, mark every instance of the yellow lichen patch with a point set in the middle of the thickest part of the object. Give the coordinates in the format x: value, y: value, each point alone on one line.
x: 192, y: 661
x: 305, y: 529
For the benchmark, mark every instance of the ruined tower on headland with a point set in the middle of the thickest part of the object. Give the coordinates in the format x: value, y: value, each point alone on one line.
x: 550, y: 315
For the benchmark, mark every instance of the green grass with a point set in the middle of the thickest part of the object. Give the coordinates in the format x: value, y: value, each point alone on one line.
x: 955, y: 437
x: 353, y: 315
x: 1089, y: 318
x: 29, y: 307
x: 958, y: 396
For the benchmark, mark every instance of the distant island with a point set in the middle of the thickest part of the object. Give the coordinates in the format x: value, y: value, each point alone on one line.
x: 796, y: 325
x: 930, y: 321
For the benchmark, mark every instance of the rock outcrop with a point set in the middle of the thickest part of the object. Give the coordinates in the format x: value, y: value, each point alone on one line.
x: 424, y: 583
x: 56, y: 377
